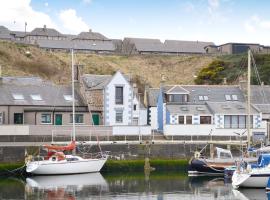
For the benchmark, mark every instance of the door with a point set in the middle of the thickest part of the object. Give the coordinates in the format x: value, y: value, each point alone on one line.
x: 95, y: 118
x: 18, y: 118
x: 58, y: 119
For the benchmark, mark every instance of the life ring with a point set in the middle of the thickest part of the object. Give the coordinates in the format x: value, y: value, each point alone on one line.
x: 197, y: 154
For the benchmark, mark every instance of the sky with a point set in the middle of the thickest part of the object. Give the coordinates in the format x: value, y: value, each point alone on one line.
x: 218, y: 21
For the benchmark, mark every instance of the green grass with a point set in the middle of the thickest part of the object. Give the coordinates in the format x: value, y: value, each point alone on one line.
x: 138, y: 165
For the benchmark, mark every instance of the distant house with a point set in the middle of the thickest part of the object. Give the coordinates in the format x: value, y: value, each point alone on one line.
x: 236, y: 48
x: 111, y: 100
x: 89, y: 36
x: 44, y: 34
x: 32, y: 101
x: 5, y: 33
x: 155, y: 46
x: 186, y: 110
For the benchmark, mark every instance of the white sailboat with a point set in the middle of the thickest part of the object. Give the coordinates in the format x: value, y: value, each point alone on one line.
x: 56, y: 162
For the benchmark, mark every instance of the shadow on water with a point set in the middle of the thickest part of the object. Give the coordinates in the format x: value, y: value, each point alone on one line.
x: 123, y: 186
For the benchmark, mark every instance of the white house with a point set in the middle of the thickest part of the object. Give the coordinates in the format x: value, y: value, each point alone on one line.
x: 112, y: 101
x: 202, y: 110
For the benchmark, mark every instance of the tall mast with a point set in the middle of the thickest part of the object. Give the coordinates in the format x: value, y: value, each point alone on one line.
x: 248, y: 99
x: 73, y: 98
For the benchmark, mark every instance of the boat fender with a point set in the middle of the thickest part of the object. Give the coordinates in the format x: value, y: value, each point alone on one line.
x: 197, y: 154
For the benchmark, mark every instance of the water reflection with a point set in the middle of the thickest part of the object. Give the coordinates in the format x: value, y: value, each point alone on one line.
x: 65, y: 186
x: 158, y: 186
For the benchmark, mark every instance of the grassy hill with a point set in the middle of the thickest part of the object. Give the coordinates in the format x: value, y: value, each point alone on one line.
x: 56, y: 65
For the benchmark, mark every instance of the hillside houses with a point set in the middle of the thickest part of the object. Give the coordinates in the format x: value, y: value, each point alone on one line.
x: 94, y: 42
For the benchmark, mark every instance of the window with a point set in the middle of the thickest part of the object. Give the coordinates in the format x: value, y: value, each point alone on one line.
x: 119, y: 116
x: 188, y: 119
x: 228, y: 97
x: 1, y: 118
x: 203, y: 98
x: 234, y: 97
x: 68, y: 97
x: 78, y: 118
x: 237, y: 121
x: 36, y: 97
x: 119, y: 95
x: 18, y: 118
x: 177, y: 98
x: 46, y: 118
x: 134, y: 107
x: 181, y: 120
x: 18, y: 96
x: 205, y: 119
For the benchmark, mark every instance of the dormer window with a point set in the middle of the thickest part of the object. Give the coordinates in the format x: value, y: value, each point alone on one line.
x: 18, y: 96
x: 203, y: 98
x: 178, y: 98
x: 234, y: 97
x: 228, y: 97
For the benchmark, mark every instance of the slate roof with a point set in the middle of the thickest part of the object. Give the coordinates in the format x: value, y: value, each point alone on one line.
x: 4, y: 30
x: 215, y: 93
x: 189, y: 109
x: 52, y: 95
x: 46, y: 32
x: 90, y: 36
x: 177, y: 89
x: 260, y: 94
x: 181, y: 46
x: 77, y: 45
x: 19, y: 33
x: 96, y: 82
x: 148, y: 45
x: 231, y: 108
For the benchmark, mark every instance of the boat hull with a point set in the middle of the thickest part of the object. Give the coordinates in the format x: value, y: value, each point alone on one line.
x: 65, y: 167
x: 201, y: 166
x: 250, y: 180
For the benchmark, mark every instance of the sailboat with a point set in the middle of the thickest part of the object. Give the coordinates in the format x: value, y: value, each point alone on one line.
x: 253, y: 175
x: 57, y: 162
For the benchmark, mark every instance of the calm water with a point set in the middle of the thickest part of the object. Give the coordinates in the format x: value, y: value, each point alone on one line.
x: 123, y: 186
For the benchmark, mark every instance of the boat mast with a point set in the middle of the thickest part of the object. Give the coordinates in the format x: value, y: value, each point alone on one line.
x: 73, y: 97
x: 248, y: 100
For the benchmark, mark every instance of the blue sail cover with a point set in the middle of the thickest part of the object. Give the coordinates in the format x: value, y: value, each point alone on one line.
x: 263, y: 161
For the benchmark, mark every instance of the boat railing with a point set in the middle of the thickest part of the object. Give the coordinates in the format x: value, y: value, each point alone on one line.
x: 96, y: 155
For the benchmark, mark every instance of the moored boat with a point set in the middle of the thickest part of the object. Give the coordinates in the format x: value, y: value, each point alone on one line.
x: 253, y: 175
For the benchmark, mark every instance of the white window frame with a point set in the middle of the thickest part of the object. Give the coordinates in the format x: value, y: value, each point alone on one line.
x: 234, y: 97
x: 205, y: 97
x: 228, y: 97
x: 68, y: 97
x: 1, y: 118
x: 119, y: 112
x: 76, y: 114
x: 46, y: 122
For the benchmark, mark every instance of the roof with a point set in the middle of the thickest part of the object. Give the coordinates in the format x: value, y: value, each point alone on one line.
x: 144, y: 44
x: 194, y: 109
x: 19, y: 33
x: 90, y: 36
x: 96, y: 82
x: 230, y: 108
x: 46, y: 32
x: 214, y: 93
x: 177, y: 89
x: 77, y: 45
x: 181, y: 46
x: 51, y: 95
x: 4, y: 30
x: 237, y: 43
x: 260, y: 94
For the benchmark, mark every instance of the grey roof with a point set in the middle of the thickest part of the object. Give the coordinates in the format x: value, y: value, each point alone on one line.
x: 230, y: 108
x: 90, y: 36
x: 189, y: 109
x: 96, y: 82
x: 52, y: 95
x: 4, y: 30
x: 260, y: 94
x: 149, y: 45
x: 177, y: 89
x: 186, y: 46
x: 46, y: 32
x: 264, y: 108
x: 215, y: 93
x: 19, y: 33
x: 78, y: 45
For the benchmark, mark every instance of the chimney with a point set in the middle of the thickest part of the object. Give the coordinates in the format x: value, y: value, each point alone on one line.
x: 90, y: 30
x: 44, y: 27
x: 135, y: 89
x: 146, y: 92
x: 262, y: 83
x: 243, y: 86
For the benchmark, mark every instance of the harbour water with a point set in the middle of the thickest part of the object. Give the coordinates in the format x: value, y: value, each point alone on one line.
x: 158, y: 186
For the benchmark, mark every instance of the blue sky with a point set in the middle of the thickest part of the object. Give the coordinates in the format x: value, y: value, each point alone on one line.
x: 219, y: 21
